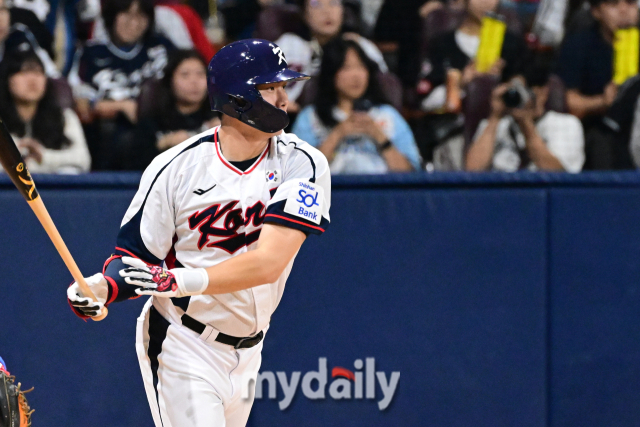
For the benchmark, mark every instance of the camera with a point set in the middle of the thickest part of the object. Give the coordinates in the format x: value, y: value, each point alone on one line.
x: 516, y: 96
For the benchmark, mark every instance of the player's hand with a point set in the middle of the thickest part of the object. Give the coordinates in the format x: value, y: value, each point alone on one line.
x: 156, y: 281
x: 85, y: 305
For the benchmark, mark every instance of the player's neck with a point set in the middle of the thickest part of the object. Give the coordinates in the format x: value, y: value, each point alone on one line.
x: 241, y: 142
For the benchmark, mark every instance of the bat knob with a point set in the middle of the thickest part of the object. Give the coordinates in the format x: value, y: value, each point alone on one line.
x: 102, y: 316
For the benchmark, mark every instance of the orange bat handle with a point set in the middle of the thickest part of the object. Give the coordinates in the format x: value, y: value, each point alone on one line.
x: 41, y: 212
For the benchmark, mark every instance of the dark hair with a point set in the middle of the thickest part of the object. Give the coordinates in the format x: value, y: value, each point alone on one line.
x: 166, y: 107
x: 539, y: 68
x: 333, y: 57
x: 47, y: 126
x: 111, y: 9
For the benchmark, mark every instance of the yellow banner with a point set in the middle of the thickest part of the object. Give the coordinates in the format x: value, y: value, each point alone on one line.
x: 491, y: 39
x: 625, y: 57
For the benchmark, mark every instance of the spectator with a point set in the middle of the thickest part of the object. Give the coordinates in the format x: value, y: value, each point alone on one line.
x: 51, y: 139
x: 350, y: 122
x: 17, y: 37
x: 586, y: 67
x: 107, y: 75
x: 442, y: 130
x: 622, y: 126
x: 176, y: 22
x: 324, y: 19
x: 527, y: 137
x: 457, y: 50
x: 181, y: 107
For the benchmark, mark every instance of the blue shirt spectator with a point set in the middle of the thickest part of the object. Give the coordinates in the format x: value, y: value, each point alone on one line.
x: 350, y: 122
x: 358, y: 153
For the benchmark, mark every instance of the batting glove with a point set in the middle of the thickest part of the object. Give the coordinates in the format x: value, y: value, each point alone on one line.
x: 85, y: 305
x: 156, y: 281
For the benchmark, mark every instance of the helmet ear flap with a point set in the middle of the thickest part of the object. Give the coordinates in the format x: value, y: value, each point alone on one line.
x: 240, y: 105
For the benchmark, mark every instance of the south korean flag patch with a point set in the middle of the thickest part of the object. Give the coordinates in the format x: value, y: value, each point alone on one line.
x: 272, y: 176
x: 306, y: 201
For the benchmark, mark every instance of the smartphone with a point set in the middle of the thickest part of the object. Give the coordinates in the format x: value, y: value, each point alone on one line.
x: 362, y: 104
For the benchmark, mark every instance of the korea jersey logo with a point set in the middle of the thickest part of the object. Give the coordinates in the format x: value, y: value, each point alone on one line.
x: 219, y: 224
x: 305, y: 201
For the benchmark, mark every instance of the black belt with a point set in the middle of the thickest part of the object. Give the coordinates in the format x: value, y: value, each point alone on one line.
x: 235, y: 342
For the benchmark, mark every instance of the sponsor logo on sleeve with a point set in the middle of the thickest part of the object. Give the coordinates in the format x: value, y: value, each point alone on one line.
x: 305, y: 201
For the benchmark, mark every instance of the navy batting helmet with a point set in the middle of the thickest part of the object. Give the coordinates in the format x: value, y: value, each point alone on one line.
x: 232, y: 77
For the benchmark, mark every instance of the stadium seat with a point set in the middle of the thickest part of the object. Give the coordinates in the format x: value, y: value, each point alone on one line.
x: 63, y: 92
x: 148, y: 98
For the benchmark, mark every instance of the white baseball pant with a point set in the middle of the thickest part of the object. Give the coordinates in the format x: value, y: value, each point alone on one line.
x: 190, y: 382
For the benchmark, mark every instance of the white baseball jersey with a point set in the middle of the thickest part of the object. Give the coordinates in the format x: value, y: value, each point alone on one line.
x: 195, y: 209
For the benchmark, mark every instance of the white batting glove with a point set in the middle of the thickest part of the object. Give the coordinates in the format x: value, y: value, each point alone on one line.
x: 87, y: 306
x: 156, y: 281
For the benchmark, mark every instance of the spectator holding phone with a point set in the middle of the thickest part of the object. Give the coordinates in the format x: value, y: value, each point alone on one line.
x: 324, y: 21
x: 350, y: 121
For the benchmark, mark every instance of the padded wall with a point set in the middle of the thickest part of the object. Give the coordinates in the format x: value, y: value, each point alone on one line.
x: 502, y: 300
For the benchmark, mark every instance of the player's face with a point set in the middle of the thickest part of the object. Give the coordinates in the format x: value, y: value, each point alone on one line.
x: 616, y: 14
x: 190, y: 82
x: 275, y: 94
x: 324, y: 17
x: 5, y: 22
x: 29, y: 84
x: 479, y: 8
x: 131, y: 24
x: 353, y: 78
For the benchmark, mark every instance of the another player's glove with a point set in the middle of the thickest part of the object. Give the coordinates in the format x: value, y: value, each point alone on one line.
x: 85, y: 305
x: 156, y: 281
x: 14, y: 408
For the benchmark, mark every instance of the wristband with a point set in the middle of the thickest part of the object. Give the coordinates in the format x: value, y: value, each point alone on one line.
x: 191, y: 281
x: 384, y: 146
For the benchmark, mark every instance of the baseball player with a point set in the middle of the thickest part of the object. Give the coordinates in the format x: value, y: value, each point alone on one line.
x: 211, y: 235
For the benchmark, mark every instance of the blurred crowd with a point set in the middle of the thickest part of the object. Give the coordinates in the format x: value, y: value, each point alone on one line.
x: 90, y: 85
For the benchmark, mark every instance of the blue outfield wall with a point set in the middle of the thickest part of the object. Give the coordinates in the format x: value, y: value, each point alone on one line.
x: 501, y: 300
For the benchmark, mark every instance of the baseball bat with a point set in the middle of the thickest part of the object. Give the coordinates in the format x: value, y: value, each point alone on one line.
x: 16, y: 168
